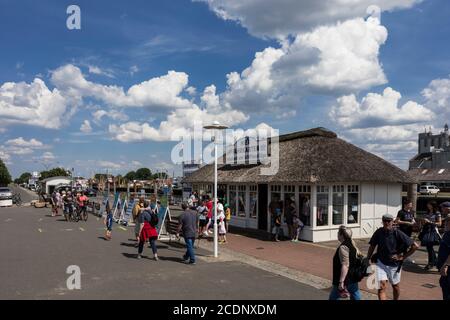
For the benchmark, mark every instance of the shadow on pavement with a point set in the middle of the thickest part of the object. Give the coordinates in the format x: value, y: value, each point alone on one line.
x: 419, y: 269
x: 174, y: 259
x: 130, y: 255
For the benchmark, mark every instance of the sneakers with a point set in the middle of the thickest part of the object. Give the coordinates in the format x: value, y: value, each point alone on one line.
x: 205, y: 234
x: 139, y: 256
x: 155, y: 258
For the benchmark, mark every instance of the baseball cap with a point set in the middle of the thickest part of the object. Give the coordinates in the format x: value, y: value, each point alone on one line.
x: 388, y: 217
x: 445, y: 204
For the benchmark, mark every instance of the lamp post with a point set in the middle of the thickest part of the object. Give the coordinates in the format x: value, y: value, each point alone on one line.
x: 216, y: 126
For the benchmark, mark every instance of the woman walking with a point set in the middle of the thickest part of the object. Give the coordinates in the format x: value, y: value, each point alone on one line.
x: 429, y: 236
x: 344, y: 259
x: 148, y: 221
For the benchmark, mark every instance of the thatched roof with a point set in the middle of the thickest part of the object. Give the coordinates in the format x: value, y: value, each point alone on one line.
x: 421, y: 174
x: 312, y: 156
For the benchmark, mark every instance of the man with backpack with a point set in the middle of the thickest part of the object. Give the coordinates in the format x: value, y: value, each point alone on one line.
x: 443, y: 261
x: 393, y: 247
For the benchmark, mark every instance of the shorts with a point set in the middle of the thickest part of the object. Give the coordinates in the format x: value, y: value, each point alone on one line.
x: 203, y: 223
x: 388, y: 273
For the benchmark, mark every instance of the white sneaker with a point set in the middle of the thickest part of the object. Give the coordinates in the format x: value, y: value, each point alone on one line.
x: 205, y: 234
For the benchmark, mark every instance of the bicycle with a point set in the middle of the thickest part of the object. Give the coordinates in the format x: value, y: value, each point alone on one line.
x: 82, y: 213
x: 17, y: 200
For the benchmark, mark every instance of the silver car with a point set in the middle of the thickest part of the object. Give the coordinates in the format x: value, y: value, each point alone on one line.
x: 6, y: 196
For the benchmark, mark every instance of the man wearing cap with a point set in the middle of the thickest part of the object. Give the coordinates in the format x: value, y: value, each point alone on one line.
x: 443, y: 261
x: 393, y: 246
x: 445, y: 210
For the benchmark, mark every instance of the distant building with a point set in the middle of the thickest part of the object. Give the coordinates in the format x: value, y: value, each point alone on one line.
x: 190, y: 167
x: 432, y: 163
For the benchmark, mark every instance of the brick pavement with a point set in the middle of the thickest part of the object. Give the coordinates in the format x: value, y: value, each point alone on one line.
x: 316, y: 259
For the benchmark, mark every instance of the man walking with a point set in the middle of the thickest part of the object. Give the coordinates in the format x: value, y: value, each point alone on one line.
x: 188, y: 227
x: 443, y: 262
x: 393, y: 247
x: 445, y: 210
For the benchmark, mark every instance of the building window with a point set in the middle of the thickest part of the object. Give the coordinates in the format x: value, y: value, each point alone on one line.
x: 304, y: 204
x: 241, y: 201
x: 338, y: 204
x: 233, y: 202
x: 290, y: 207
x: 275, y: 206
x: 322, y: 205
x: 222, y: 192
x: 275, y: 188
x: 253, y: 202
x: 353, y: 204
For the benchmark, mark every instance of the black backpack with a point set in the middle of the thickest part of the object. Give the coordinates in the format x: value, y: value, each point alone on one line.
x: 154, y: 219
x: 358, y: 271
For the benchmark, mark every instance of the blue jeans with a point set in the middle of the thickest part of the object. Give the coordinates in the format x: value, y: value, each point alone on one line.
x: 352, y: 288
x: 190, y: 254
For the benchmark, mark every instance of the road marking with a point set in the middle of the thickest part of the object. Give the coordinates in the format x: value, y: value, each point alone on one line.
x: 122, y: 228
x: 81, y: 229
x: 40, y: 219
x: 7, y: 220
x: 68, y: 229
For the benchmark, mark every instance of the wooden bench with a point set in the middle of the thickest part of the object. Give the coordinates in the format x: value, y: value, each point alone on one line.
x: 172, y: 229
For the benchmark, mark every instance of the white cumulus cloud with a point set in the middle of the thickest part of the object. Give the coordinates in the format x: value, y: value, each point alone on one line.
x: 280, y: 18
x: 377, y: 110
x: 33, y: 104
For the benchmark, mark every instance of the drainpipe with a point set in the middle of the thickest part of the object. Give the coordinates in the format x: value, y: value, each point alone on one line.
x: 412, y: 195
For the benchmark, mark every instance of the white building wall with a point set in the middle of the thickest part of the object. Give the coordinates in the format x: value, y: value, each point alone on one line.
x: 55, y: 182
x: 377, y: 200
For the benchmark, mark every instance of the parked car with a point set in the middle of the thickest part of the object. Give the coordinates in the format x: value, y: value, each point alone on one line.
x: 6, y: 196
x: 429, y: 189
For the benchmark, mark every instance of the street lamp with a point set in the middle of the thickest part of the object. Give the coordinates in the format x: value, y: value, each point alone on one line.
x: 216, y: 126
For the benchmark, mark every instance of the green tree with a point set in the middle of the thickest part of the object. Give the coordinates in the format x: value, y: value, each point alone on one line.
x: 130, y: 176
x: 100, y: 176
x: 5, y: 177
x: 143, y: 174
x: 55, y: 172
x: 24, y: 177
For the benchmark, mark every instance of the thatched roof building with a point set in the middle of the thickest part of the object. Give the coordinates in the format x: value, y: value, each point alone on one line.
x: 329, y: 181
x: 311, y: 156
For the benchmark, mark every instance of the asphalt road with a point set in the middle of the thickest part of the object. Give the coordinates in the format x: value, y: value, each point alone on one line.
x: 25, y: 194
x: 37, y: 249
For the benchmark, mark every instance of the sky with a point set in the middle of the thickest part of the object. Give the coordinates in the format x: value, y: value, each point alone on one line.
x: 111, y: 95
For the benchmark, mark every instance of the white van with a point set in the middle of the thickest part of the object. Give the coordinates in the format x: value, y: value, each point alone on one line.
x: 429, y: 189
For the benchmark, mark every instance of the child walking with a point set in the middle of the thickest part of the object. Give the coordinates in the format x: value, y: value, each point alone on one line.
x: 108, y: 221
x: 222, y: 229
x: 298, y: 227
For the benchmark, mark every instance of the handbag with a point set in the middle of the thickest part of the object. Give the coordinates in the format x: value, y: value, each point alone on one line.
x: 430, y: 236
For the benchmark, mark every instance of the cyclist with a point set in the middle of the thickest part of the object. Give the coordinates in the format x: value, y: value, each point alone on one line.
x: 68, y: 206
x: 82, y: 203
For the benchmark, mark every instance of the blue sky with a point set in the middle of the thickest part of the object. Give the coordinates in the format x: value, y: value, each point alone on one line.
x: 297, y: 82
